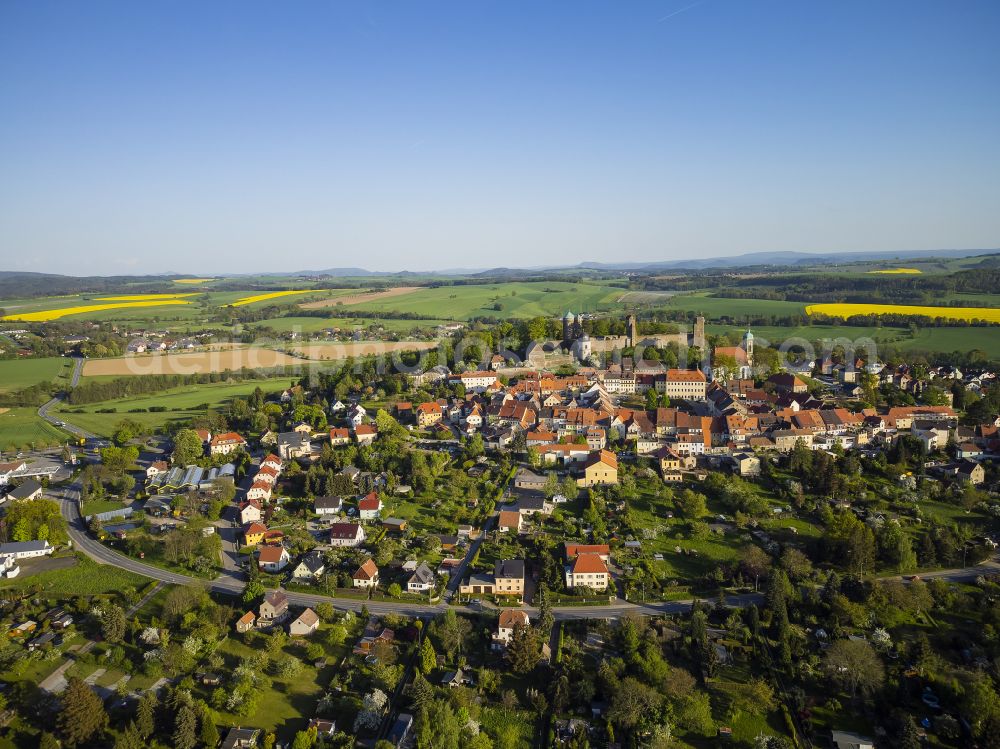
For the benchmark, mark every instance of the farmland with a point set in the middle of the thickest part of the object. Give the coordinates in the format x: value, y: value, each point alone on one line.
x: 16, y: 374
x: 898, y: 271
x: 218, y: 359
x: 267, y: 297
x: 371, y: 296
x: 515, y: 299
x: 721, y: 307
x: 56, y: 314
x: 950, y: 313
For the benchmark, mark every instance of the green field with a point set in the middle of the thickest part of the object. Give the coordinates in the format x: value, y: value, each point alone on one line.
x: 314, y: 324
x: 518, y: 299
x: 86, y: 578
x: 16, y: 374
x: 22, y: 428
x: 717, y: 307
x: 181, y: 404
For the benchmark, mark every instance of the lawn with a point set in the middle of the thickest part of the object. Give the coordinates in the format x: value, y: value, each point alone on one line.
x: 521, y: 300
x: 314, y: 324
x: 22, y: 428
x: 181, y: 403
x: 86, y: 578
x: 16, y: 374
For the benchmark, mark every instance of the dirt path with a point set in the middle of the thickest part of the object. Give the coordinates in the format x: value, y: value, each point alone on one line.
x: 360, y: 298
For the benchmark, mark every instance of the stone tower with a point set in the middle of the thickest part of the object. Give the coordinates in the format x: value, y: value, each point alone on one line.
x: 568, y: 326
x: 698, y: 339
x: 631, y: 331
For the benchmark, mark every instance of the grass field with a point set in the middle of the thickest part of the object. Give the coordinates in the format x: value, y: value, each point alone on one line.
x: 86, y: 578
x: 314, y: 324
x: 21, y: 427
x: 16, y: 374
x: 181, y: 403
x: 521, y: 300
x: 719, y: 307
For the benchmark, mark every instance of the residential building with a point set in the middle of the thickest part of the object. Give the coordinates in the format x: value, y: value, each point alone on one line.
x: 508, y: 621
x: 310, y: 568
x: 587, y: 570
x: 508, y: 577
x: 366, y: 575
x: 241, y: 738
x: 273, y: 610
x: 304, y: 624
x: 684, y: 384
x: 509, y: 520
x: 422, y: 580
x: 27, y: 489
x: 26, y: 549
x: 226, y: 443
x: 327, y: 505
x: 346, y: 534
x: 428, y: 414
x: 246, y: 622
x: 254, y: 533
x: 369, y: 506
x: 601, y: 468
x: 273, y: 558
x: 259, y: 491
x: 249, y: 512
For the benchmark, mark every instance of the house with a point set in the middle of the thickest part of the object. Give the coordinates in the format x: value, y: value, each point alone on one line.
x: 304, y: 624
x: 574, y: 550
x: 26, y: 549
x: 156, y: 468
x: 340, y: 436
x: 456, y: 679
x: 967, y: 471
x: 27, y: 489
x: 365, y: 434
x: 528, y: 480
x: 508, y: 577
x: 293, y: 445
x: 428, y: 414
x: 10, y: 470
x: 273, y: 558
x: 241, y: 738
x: 254, y: 534
x: 422, y: 580
x: 587, y: 570
x: 601, y: 468
x: 273, y: 610
x: 366, y: 575
x: 394, y: 525
x: 323, y: 726
x: 370, y: 506
x: 273, y: 462
x: 310, y: 567
x: 509, y: 520
x: 508, y: 621
x: 745, y: 464
x: 327, y: 505
x: 346, y: 534
x: 787, y: 383
x: 266, y: 475
x: 848, y: 740
x: 259, y: 491
x: 249, y: 512
x: 226, y: 443
x: 302, y: 427
x: 685, y: 384
x: 246, y: 622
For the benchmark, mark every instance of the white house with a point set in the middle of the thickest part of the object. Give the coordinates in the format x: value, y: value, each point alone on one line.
x: 273, y: 558
x: 346, y: 534
x: 422, y: 580
x: 509, y: 619
x: 26, y: 549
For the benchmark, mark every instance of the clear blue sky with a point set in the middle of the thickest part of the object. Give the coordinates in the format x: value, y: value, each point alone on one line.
x: 251, y: 136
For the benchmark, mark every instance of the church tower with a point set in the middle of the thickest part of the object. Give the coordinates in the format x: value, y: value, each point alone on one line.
x: 748, y: 346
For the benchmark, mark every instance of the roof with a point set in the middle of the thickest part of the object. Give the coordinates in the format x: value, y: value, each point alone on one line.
x: 589, y: 564
x: 308, y: 617
x: 606, y: 457
x: 685, y: 375
x: 422, y: 574
x: 509, y: 519
x: 367, y: 571
x: 20, y: 547
x: 276, y: 598
x: 25, y: 489
x: 573, y: 549
x: 370, y: 502
x: 254, y: 528
x: 364, y: 430
x: 271, y: 554
x: 509, y: 618
x: 509, y: 568
x: 227, y: 438
x: 344, y: 530
x: 328, y: 503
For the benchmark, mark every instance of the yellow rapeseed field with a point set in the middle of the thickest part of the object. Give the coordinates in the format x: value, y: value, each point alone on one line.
x: 193, y: 280
x: 898, y: 271
x: 141, y: 297
x: 952, y: 313
x: 55, y: 314
x: 265, y: 297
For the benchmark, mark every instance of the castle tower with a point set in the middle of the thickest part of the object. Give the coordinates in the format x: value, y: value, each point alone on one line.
x: 568, y: 326
x: 631, y: 331
x: 748, y: 346
x: 577, y: 326
x: 698, y: 339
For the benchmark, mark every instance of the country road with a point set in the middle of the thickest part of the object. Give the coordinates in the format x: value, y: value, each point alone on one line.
x: 43, y: 411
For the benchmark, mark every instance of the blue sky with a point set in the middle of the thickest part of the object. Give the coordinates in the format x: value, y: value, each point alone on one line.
x: 256, y: 136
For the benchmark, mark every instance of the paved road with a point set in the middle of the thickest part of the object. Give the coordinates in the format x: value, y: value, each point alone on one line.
x: 44, y: 410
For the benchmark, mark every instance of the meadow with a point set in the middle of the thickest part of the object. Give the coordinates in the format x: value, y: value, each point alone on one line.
x: 22, y: 428
x: 515, y: 299
x: 180, y: 403
x: 16, y: 374
x: 315, y: 324
x: 721, y: 307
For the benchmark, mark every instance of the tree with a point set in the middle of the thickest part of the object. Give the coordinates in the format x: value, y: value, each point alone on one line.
x: 145, y: 715
x: 82, y: 717
x: 691, y: 504
x: 428, y: 658
x: 185, y: 734
x: 130, y: 738
x: 421, y: 692
x: 187, y: 447
x: 304, y: 739
x: 114, y: 624
x: 524, y: 649
x: 632, y: 701
x: 855, y: 666
x: 254, y: 590
x: 48, y: 741
x: 209, y: 734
